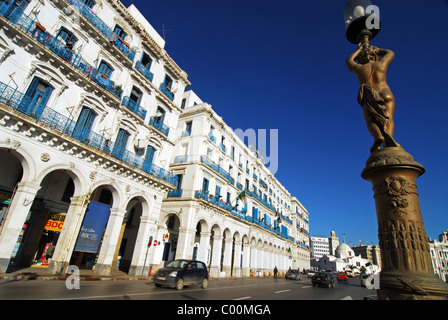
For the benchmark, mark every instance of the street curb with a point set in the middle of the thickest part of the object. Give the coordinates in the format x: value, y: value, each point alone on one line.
x: 82, y: 278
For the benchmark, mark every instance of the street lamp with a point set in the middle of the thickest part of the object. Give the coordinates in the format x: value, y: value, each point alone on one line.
x: 407, y: 271
x: 361, y: 20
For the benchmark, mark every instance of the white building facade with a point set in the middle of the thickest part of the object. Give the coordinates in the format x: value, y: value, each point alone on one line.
x: 235, y: 237
x: 320, y: 246
x: 106, y: 160
x: 439, y: 256
x: 89, y: 105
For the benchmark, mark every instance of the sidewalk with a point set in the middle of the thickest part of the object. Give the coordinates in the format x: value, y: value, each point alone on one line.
x: 40, y: 273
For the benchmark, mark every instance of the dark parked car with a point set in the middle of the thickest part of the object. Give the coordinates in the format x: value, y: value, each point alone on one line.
x: 178, y: 273
x: 292, y: 274
x: 324, y: 278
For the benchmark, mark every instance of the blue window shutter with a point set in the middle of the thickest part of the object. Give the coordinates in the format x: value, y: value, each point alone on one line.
x: 205, y: 185
x: 120, y: 144
x: 255, y: 213
x: 150, y: 151
x: 84, y: 124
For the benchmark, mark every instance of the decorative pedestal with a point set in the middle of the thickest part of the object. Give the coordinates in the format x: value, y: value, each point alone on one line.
x: 407, y: 271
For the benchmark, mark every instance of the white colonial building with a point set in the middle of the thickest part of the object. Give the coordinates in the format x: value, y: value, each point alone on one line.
x: 439, y: 255
x: 89, y: 107
x: 204, y: 217
x: 107, y: 160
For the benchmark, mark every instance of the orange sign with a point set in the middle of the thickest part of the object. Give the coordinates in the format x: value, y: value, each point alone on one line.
x: 55, y: 222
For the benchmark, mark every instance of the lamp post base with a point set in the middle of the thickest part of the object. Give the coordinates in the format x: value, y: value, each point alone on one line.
x: 407, y: 271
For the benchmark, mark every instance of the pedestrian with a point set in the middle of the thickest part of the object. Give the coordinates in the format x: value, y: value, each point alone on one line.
x: 275, y: 272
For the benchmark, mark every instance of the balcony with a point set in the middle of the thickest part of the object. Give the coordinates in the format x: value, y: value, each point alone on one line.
x: 166, y: 91
x: 18, y: 101
x: 29, y: 26
x: 145, y: 71
x: 214, y: 200
x: 134, y: 107
x: 181, y: 159
x: 175, y: 193
x: 156, y: 123
x: 217, y: 168
x: 90, y: 16
x: 223, y: 148
x: 212, y: 138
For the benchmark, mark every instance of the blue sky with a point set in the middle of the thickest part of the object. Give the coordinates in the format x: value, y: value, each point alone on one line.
x: 266, y: 64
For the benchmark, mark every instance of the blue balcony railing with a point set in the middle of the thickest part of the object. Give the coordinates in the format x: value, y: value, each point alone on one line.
x: 17, y: 100
x: 102, y: 27
x: 166, y: 91
x: 28, y: 25
x: 205, y: 196
x: 177, y: 193
x: 217, y: 168
x: 145, y: 71
x: 181, y: 159
x: 156, y: 123
x: 134, y: 107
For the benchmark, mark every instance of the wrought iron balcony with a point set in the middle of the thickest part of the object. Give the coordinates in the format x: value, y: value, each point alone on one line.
x: 217, y: 168
x: 166, y: 91
x: 156, y: 123
x: 177, y: 193
x: 29, y: 26
x: 99, y: 24
x: 134, y: 107
x: 181, y: 159
x: 145, y: 71
x: 24, y: 104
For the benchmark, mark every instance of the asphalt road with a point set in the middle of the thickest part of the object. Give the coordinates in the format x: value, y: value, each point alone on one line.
x: 237, y: 290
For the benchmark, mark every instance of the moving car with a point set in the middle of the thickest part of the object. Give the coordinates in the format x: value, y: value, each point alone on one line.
x: 179, y: 273
x: 326, y: 279
x: 342, y: 276
x: 292, y: 274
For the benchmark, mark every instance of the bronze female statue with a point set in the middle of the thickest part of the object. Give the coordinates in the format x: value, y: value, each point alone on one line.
x: 375, y: 96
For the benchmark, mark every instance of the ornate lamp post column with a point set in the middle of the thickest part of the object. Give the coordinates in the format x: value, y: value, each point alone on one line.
x: 407, y: 271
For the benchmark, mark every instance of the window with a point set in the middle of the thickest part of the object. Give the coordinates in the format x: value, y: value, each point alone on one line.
x: 105, y: 70
x: 84, y: 124
x: 136, y: 95
x: 38, y: 93
x: 120, y: 144
x: 205, y: 184
x: 120, y: 34
x: 168, y: 82
x: 217, y: 192
x: 188, y: 126
x: 89, y: 3
x: 160, y: 115
x: 184, y: 101
x: 146, y: 61
x: 149, y: 157
x: 66, y: 37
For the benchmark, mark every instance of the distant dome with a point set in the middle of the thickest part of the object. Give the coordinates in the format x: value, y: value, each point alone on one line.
x: 343, y: 251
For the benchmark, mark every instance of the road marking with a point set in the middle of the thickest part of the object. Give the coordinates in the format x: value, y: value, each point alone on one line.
x: 282, y: 291
x: 347, y: 298
x: 306, y: 287
x: 155, y: 293
x: 243, y: 298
